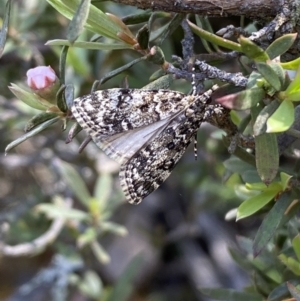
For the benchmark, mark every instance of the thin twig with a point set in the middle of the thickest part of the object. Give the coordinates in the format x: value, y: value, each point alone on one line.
x: 38, y: 244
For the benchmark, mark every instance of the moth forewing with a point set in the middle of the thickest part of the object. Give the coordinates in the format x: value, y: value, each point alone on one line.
x: 146, y: 131
x: 113, y: 111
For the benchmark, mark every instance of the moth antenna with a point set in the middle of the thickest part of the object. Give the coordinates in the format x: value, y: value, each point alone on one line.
x: 195, y: 147
x: 194, y: 88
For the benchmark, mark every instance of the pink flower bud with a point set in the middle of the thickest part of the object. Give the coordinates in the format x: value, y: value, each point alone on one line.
x: 40, y: 77
x: 44, y: 82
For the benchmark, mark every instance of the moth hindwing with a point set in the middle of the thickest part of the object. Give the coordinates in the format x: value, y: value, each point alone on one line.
x: 146, y: 131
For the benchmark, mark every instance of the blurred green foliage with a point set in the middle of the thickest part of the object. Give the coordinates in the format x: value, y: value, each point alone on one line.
x: 67, y: 209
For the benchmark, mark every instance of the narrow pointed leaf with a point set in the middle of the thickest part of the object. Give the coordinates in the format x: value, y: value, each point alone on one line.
x: 39, y: 119
x: 122, y: 25
x: 242, y: 100
x: 281, y: 45
x: 294, y: 86
x: 143, y: 36
x: 229, y: 294
x: 101, y: 255
x: 285, y: 179
x: 30, y: 134
x: 281, y: 73
x: 29, y: 98
x: 281, y: 292
x: 282, y: 119
x: 74, y: 181
x: 252, y: 80
x: 61, y: 100
x: 270, y: 75
x: 97, y: 21
x: 90, y: 234
x: 295, y: 96
x: 69, y: 95
x: 54, y: 211
x: 260, y: 125
x: 91, y: 285
x: 117, y: 71
x: 78, y: 21
x: 295, y: 292
x: 4, y: 29
x: 89, y: 45
x: 290, y: 263
x: 252, y: 50
x: 214, y: 39
x: 124, y: 286
x: 267, y: 157
x: 296, y: 246
x: 292, y: 65
x: 270, y: 223
x: 103, y: 189
x: 257, y: 202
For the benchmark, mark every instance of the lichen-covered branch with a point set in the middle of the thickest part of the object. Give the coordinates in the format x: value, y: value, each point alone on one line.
x: 216, y: 8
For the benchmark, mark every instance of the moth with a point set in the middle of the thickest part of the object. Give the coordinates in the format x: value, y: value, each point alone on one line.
x: 145, y: 131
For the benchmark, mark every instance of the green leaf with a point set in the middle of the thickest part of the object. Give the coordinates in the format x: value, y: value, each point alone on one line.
x: 91, y: 285
x: 39, y: 119
x: 114, y: 228
x: 290, y: 263
x: 73, y: 180
x: 270, y: 223
x: 78, y: 21
x: 242, y: 100
x: 170, y: 27
x: 54, y: 211
x: 285, y: 179
x: 97, y: 21
x: 69, y: 96
x: 294, y: 86
x: 256, y: 186
x: 282, y: 119
x: 234, y: 164
x: 281, y: 45
x: 294, y: 96
x: 143, y: 37
x: 4, y: 29
x: 270, y: 75
x: 291, y: 65
x: 250, y: 176
x: 252, y: 80
x: 116, y: 72
x: 295, y: 292
x: 252, y: 50
x: 103, y: 189
x: 125, y: 285
x: 257, y: 202
x: 89, y: 45
x: 101, y: 255
x: 214, y: 39
x: 61, y: 99
x: 296, y: 246
x: 260, y: 124
x: 267, y: 157
x: 90, y: 234
x: 229, y: 294
x: 30, y: 134
x: 163, y: 82
x: 281, y: 292
x: 29, y: 98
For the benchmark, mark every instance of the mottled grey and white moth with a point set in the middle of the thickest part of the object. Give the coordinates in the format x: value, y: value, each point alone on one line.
x: 146, y: 131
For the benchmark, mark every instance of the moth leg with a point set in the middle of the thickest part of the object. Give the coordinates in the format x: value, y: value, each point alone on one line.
x: 85, y: 142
